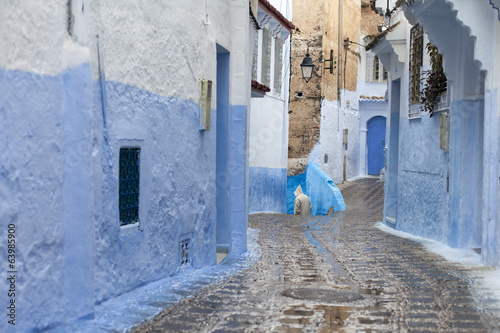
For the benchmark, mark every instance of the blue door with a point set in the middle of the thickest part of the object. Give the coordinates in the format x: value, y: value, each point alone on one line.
x: 376, y: 143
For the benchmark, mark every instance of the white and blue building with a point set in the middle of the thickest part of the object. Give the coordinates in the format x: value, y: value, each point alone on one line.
x: 268, y: 122
x: 372, y: 88
x: 442, y: 179
x: 124, y: 131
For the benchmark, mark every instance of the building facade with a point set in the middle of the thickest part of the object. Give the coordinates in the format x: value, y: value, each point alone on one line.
x: 268, y: 133
x: 371, y: 88
x: 125, y: 154
x: 442, y: 171
x: 325, y: 119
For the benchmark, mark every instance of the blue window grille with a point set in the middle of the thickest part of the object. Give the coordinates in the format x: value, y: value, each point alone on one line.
x: 129, y: 185
x: 184, y: 246
x: 415, y: 69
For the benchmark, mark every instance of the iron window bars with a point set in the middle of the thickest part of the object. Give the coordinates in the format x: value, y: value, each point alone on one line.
x: 416, y: 55
x: 129, y: 185
x: 375, y: 71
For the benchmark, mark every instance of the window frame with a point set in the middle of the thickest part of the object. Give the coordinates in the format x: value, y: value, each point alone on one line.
x: 122, y: 187
x: 267, y: 37
x: 375, y: 70
x: 415, y: 64
x: 278, y: 65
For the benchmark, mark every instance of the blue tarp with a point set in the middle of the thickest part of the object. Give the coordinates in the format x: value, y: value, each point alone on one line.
x: 319, y: 187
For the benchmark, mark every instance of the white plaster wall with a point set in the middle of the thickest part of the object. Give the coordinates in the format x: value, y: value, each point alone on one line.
x: 268, y: 123
x: 35, y: 38
x: 365, y: 88
x: 330, y: 142
x: 480, y: 18
x: 267, y: 139
x: 239, y: 33
x: 372, y: 88
x: 331, y: 138
x: 61, y: 146
x: 154, y: 56
x: 145, y: 44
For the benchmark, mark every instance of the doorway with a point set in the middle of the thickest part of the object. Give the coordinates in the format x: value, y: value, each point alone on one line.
x: 392, y: 156
x: 222, y: 175
x: 376, y: 143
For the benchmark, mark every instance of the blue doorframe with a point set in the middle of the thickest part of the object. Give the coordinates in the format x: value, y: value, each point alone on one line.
x: 223, y: 200
x: 376, y: 142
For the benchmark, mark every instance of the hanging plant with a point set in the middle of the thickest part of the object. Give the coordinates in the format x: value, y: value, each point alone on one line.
x: 406, y: 2
x: 435, y: 81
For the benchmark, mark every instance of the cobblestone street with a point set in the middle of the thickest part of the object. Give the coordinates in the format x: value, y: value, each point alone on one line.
x: 336, y: 273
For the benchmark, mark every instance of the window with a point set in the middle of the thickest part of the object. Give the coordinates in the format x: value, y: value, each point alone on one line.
x: 255, y: 63
x: 375, y: 71
x: 278, y: 63
x: 266, y: 57
x: 267, y: 63
x: 416, y: 54
x: 129, y: 185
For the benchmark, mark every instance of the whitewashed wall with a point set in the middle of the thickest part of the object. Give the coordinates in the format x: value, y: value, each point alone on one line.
x: 268, y: 132
x: 62, y: 127
x: 459, y: 188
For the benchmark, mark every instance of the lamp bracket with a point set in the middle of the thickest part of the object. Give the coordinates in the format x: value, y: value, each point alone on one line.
x: 332, y: 61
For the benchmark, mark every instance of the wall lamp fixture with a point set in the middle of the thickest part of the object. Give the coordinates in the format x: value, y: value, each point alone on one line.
x: 348, y: 42
x: 307, y: 67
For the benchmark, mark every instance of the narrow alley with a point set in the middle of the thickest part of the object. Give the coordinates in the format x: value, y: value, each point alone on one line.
x: 336, y: 273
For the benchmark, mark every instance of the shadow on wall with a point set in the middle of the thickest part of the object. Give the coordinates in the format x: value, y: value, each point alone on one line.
x: 319, y: 187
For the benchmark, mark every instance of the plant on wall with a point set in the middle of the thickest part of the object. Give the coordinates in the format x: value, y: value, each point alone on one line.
x: 435, y: 81
x: 406, y: 2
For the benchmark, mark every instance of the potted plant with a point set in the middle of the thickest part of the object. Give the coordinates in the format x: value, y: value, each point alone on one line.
x: 435, y: 82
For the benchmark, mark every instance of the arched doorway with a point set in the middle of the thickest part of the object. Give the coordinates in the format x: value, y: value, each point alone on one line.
x: 376, y: 142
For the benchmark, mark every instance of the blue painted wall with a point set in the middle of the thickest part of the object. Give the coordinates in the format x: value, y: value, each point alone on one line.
x: 177, y: 190
x: 466, y: 174
x: 45, y: 180
x: 428, y: 205
x: 322, y: 191
x: 422, y: 179
x: 77, y: 189
x: 291, y: 185
x: 267, y: 190
x: 239, y: 179
x: 60, y: 178
x: 319, y: 187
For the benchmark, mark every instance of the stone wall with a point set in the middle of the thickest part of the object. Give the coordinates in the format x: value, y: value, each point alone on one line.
x: 305, y: 98
x: 328, y: 104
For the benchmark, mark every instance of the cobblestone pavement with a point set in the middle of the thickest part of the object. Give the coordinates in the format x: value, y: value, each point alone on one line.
x: 335, y: 273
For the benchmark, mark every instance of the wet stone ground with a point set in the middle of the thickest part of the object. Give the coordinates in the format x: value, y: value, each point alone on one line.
x: 335, y: 273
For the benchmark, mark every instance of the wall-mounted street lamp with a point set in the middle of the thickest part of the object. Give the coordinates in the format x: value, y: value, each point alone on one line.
x: 307, y: 67
x: 348, y: 42
x: 332, y: 62
x: 388, y: 11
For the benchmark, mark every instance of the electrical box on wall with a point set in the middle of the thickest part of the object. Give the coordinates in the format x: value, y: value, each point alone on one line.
x: 205, y: 104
